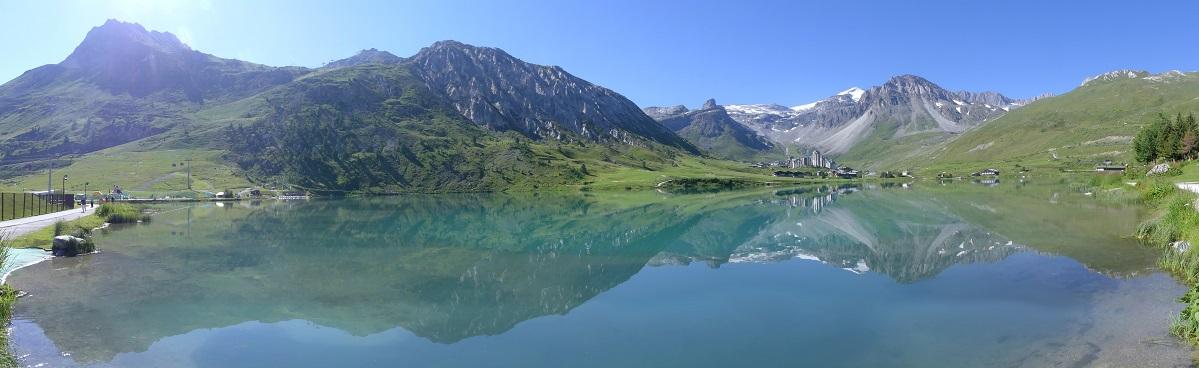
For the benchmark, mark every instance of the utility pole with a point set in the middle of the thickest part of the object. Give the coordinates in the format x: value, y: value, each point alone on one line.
x: 50, y: 179
x: 189, y: 174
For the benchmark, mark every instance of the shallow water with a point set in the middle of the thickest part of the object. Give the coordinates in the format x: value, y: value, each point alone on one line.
x: 927, y: 277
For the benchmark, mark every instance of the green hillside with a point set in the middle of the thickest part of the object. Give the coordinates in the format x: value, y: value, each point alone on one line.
x: 1075, y: 130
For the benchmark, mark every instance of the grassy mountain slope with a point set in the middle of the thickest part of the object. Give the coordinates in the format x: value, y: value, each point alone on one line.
x: 1075, y: 130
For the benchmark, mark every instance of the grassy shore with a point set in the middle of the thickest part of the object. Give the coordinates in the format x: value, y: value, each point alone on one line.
x: 42, y: 238
x: 8, y: 296
x: 1174, y: 227
x: 113, y: 213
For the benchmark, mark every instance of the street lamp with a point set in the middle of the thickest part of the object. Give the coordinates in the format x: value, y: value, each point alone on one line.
x: 64, y: 190
x: 84, y: 204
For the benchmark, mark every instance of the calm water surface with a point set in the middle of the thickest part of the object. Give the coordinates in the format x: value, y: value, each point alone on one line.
x: 824, y: 277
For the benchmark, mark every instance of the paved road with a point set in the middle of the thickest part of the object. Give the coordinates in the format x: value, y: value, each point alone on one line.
x: 22, y: 226
x: 1191, y: 186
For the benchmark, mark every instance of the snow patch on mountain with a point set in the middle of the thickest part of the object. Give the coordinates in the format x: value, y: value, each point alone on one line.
x: 804, y: 107
x: 757, y: 109
x: 853, y: 92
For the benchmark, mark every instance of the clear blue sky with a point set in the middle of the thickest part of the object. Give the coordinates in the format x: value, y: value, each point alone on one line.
x: 670, y: 52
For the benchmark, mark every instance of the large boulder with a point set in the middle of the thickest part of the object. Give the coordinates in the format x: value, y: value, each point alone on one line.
x: 70, y: 246
x: 1159, y: 169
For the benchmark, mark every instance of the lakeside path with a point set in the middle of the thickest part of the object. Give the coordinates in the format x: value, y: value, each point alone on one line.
x: 22, y: 226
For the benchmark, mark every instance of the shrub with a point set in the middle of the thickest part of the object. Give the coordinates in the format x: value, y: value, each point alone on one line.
x: 1154, y: 191
x: 120, y: 213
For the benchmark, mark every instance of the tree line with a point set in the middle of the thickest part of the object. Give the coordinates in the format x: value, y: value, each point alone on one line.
x: 1167, y: 139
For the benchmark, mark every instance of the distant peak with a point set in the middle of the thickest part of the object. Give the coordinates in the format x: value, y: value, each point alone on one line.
x: 908, y: 78
x: 450, y: 43
x: 364, y: 57
x: 455, y: 45
x: 1114, y: 75
x: 115, y: 36
x: 710, y: 104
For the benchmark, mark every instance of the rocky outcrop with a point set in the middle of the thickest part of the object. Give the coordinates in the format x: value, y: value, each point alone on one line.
x: 662, y: 112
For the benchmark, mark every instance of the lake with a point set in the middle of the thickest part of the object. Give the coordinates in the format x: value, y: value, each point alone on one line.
x: 930, y: 276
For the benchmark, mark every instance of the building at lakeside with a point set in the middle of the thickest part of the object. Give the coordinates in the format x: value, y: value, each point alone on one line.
x: 817, y: 159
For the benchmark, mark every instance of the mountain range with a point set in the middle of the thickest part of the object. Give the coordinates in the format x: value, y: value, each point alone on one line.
x: 860, y: 124
x: 452, y: 117
x: 712, y: 130
x: 456, y: 117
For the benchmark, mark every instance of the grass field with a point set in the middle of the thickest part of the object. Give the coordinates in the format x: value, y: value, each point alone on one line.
x: 138, y: 172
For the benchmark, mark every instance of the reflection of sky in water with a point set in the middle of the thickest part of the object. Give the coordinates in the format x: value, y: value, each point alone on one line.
x: 555, y: 287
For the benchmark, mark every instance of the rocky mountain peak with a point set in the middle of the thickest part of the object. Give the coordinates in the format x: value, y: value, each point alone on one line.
x: 909, y: 85
x: 710, y: 104
x: 494, y: 89
x: 453, y: 49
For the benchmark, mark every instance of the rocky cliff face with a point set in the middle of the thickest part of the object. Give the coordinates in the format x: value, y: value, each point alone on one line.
x: 712, y: 130
x: 903, y: 106
x: 501, y: 92
x: 662, y: 112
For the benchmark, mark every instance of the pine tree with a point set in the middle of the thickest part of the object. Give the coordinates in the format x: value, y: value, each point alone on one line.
x: 1145, y: 143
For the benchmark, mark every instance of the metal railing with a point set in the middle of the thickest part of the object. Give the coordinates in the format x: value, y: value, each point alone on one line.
x: 20, y: 205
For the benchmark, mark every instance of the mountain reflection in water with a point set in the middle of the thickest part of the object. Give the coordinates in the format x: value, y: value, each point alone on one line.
x: 450, y: 267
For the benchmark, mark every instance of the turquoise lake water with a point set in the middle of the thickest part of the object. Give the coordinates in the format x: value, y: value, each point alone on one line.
x: 817, y: 277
